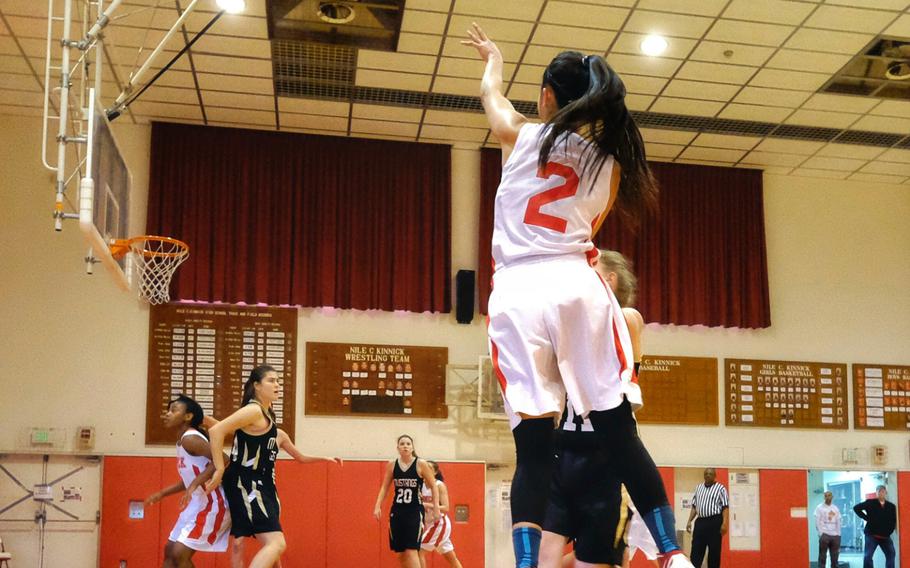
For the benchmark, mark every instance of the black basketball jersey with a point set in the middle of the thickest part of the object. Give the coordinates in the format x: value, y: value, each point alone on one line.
x: 253, y: 457
x: 407, y: 484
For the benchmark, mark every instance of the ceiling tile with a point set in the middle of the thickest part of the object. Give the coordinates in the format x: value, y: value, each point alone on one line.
x: 815, y: 173
x: 426, y: 22
x: 164, y: 110
x: 883, y: 124
x: 522, y: 92
x: 822, y: 118
x: 877, y: 178
x: 382, y: 127
x: 419, y: 43
x: 892, y: 108
x: 453, y: 118
x: 888, y: 168
x: 901, y: 27
x: 175, y: 78
x: 657, y: 135
x: 581, y: 39
x: 233, y: 65
x: 313, y: 106
x: 849, y: 19
x: 240, y: 116
x: 529, y: 74
x: 749, y: 32
x: 429, y: 5
x: 770, y: 11
x: 230, y: 25
x: 227, y: 45
x: 511, y: 50
x: 406, y: 62
x: 382, y: 112
x: 739, y: 54
x: 638, y: 102
x: 453, y: 133
x: 497, y: 29
x: 319, y: 122
x: 657, y: 150
x: 646, y: 22
x: 627, y: 42
x: 690, y: 107
x: 655, y: 66
x: 792, y: 79
x: 470, y: 69
x: 715, y: 72
x: 238, y: 100
x: 390, y: 80
x: 700, y: 8
x: 456, y: 86
x: 839, y: 164
x: 716, y: 154
x: 754, y: 112
x: 507, y: 9
x: 164, y: 94
x: 14, y: 64
x: 704, y: 162
x: 772, y: 159
x: 20, y: 98
x: 897, y: 5
x: 726, y: 141
x: 25, y: 8
x: 841, y: 103
x: 584, y: 15
x: 771, y: 97
x: 696, y: 90
x: 643, y: 85
x: 770, y: 170
x: 894, y: 155
x: 785, y: 146
x: 828, y: 41
x: 19, y: 82
x: 850, y: 151
x: 798, y: 60
x: 255, y: 85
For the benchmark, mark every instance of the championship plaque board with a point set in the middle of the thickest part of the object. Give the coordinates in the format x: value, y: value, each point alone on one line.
x: 206, y: 351
x: 785, y: 394
x: 359, y: 379
x: 678, y: 390
x: 881, y: 397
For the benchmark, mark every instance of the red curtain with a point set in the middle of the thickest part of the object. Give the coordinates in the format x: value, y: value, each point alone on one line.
x: 293, y: 219
x: 700, y: 261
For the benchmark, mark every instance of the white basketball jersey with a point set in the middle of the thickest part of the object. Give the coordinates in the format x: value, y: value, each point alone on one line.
x: 548, y: 212
x: 189, y: 466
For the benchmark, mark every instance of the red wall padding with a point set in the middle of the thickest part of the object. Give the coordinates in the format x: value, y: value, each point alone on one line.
x: 326, y: 514
x: 903, y: 505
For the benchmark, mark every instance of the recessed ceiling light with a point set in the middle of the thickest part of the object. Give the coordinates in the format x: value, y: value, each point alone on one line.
x: 232, y: 6
x: 653, y: 45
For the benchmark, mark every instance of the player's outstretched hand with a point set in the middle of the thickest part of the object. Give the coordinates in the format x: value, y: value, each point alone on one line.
x: 152, y: 499
x: 479, y: 41
x: 339, y: 461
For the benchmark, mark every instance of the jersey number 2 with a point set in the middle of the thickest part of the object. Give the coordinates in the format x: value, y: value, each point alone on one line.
x: 533, y: 214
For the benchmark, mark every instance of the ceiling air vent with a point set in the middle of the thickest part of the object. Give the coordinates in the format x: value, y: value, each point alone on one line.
x: 368, y: 24
x: 881, y: 70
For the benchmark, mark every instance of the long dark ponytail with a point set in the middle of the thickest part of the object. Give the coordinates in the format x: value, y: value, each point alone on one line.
x: 249, y: 387
x: 591, y: 100
x: 192, y: 407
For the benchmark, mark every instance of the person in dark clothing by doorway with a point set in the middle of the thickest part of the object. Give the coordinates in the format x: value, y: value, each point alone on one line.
x: 881, y: 519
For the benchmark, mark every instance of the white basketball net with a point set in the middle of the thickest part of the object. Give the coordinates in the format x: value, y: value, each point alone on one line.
x: 155, y: 259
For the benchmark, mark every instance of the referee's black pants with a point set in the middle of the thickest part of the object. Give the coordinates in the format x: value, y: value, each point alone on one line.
x: 707, y: 535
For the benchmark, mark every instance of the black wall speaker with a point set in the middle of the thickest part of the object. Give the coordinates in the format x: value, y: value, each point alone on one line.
x: 464, y: 296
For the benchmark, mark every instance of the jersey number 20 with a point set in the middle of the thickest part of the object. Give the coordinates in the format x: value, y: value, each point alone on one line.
x: 404, y: 495
x: 533, y: 214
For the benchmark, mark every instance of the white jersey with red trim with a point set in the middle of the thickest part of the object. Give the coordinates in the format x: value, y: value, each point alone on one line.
x: 206, y: 521
x: 437, y: 536
x: 552, y: 211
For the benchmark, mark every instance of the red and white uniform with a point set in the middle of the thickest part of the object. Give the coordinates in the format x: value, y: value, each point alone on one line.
x: 437, y: 536
x: 206, y: 521
x: 549, y: 308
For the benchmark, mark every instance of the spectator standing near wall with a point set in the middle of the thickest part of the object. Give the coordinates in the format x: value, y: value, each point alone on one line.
x: 881, y: 519
x: 828, y: 523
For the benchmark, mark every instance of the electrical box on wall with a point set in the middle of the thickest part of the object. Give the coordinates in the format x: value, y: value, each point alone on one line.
x: 85, y: 439
x: 879, y: 455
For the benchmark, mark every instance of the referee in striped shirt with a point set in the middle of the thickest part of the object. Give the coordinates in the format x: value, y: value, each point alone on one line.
x: 711, y: 504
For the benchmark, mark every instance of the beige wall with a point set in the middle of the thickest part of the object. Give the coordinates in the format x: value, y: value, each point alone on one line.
x: 73, y: 348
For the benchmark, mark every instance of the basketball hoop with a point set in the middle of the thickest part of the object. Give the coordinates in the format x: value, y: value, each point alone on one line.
x: 155, y: 259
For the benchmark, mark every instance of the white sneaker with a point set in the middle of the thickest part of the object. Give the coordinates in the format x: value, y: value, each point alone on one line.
x: 677, y: 560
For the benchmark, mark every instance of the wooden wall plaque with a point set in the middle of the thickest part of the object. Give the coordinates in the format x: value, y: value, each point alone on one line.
x: 358, y: 379
x: 678, y: 390
x: 785, y: 394
x: 207, y: 351
x: 881, y: 397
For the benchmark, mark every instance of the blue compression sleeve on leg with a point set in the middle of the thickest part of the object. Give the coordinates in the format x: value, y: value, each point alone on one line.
x: 662, y: 525
x: 526, y: 542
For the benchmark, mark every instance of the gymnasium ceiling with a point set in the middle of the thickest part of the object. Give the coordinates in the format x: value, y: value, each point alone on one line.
x: 738, y: 85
